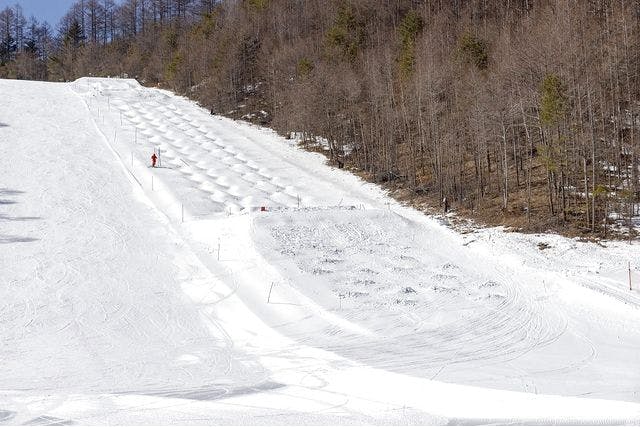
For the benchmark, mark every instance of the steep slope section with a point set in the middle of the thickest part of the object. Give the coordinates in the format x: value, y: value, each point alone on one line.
x: 92, y: 278
x: 114, y: 310
x: 376, y: 283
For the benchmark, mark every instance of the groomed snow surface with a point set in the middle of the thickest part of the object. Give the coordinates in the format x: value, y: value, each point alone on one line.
x: 132, y: 295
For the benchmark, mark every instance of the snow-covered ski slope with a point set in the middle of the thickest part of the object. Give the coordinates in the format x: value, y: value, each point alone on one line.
x: 132, y: 295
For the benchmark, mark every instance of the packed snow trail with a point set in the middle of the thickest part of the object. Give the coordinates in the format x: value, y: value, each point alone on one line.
x: 411, y: 296
x: 92, y: 297
x: 114, y: 311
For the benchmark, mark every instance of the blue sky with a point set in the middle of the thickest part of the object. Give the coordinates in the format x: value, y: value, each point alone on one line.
x: 44, y: 10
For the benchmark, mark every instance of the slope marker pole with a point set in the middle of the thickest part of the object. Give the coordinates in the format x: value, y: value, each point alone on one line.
x: 630, y: 288
x: 270, y: 289
x: 152, y: 183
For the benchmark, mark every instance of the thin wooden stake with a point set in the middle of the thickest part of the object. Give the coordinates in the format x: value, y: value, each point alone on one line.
x: 270, y: 289
x: 630, y: 288
x: 182, y: 208
x: 218, y: 249
x: 152, y: 183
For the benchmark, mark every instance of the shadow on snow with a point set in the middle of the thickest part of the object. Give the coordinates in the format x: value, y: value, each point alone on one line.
x: 8, y: 197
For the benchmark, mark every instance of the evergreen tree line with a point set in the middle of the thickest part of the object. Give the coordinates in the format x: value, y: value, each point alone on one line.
x: 525, y: 112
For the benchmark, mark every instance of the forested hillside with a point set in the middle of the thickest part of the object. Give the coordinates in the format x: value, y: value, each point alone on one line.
x: 522, y: 112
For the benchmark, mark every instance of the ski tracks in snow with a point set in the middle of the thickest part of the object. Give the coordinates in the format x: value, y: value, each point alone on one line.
x: 95, y: 306
x: 426, y: 311
x: 430, y: 315
x: 369, y: 285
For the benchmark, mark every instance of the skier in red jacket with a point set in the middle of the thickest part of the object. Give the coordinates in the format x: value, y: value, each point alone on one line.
x: 153, y: 160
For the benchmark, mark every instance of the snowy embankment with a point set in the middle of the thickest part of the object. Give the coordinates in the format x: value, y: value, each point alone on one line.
x: 138, y: 295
